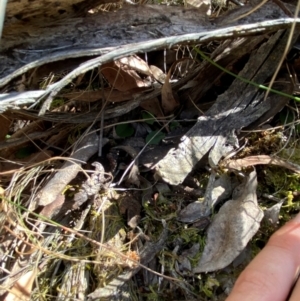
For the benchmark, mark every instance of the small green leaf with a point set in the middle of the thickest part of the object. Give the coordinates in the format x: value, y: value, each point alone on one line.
x: 148, y: 117
x: 124, y: 130
x: 152, y: 139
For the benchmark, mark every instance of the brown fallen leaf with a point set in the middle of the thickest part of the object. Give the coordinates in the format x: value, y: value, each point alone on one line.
x: 261, y: 159
x: 121, y: 77
x: 152, y: 106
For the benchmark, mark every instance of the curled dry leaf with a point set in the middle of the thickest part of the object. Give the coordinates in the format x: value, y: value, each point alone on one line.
x: 202, y: 5
x: 121, y: 77
x: 136, y: 63
x: 158, y: 74
x: 232, y: 228
x: 262, y: 159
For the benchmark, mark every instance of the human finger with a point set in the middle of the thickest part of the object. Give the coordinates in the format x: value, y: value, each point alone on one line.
x: 270, y: 276
x: 295, y: 295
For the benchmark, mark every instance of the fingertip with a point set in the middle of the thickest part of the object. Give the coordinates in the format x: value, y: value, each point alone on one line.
x: 270, y: 276
x: 251, y: 285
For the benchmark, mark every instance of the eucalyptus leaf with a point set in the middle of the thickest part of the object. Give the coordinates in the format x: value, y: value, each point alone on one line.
x: 232, y: 227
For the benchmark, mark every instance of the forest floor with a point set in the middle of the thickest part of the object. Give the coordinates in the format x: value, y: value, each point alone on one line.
x: 133, y: 184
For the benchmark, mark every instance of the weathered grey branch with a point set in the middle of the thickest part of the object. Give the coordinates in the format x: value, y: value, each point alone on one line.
x: 238, y: 107
x: 45, y: 10
x: 85, y: 149
x: 126, y: 50
x: 28, y: 46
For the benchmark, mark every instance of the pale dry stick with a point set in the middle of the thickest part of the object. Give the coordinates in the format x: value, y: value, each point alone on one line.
x: 271, y: 128
x: 20, y: 179
x: 83, y: 151
x: 2, y: 15
x: 29, y: 168
x: 196, y: 107
x: 288, y: 43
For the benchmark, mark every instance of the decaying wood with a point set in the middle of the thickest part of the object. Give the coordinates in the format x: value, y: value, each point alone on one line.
x: 92, y: 34
x: 238, y: 107
x: 105, y: 37
x: 52, y: 90
x: 34, y: 45
x: 130, y: 24
x: 225, y: 56
x: 46, y: 10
